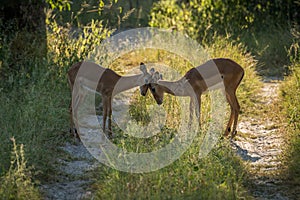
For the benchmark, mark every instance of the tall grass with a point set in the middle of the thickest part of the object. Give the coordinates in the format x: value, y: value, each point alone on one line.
x: 17, y: 182
x: 35, y: 114
x: 290, y: 98
x: 35, y: 96
x: 269, y: 46
x: 218, y: 176
x: 290, y: 95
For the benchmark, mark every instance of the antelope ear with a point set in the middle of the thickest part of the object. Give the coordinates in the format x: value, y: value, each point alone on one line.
x: 143, y: 68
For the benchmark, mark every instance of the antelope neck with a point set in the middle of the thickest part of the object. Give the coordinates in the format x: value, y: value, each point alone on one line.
x: 176, y: 88
x: 128, y: 82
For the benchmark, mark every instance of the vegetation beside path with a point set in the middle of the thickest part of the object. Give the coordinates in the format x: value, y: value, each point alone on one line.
x: 34, y: 95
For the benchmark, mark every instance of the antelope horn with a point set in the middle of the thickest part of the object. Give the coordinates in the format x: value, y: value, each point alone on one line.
x: 156, y: 76
x: 143, y: 68
x: 147, y: 76
x: 152, y: 70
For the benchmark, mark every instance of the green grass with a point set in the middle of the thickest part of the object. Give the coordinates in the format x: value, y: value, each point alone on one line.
x: 269, y: 46
x: 18, y: 183
x: 290, y: 97
x: 35, y: 114
x: 218, y: 176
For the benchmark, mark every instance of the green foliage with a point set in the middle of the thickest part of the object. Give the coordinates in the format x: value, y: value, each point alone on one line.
x: 290, y: 98
x: 31, y: 99
x: 294, y: 50
x: 290, y: 94
x: 19, y: 49
x: 260, y: 25
x: 290, y: 90
x: 217, y: 176
x: 114, y: 13
x: 198, y: 17
x: 34, y: 93
x: 34, y: 111
x: 17, y: 182
x: 270, y: 48
x: 59, y: 4
x: 67, y: 46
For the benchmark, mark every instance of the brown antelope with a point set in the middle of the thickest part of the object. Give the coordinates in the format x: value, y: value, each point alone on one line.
x: 108, y: 85
x: 227, y: 74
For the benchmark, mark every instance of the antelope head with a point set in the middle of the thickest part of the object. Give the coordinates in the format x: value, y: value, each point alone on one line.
x: 151, y: 82
x: 147, y: 78
x: 157, y: 90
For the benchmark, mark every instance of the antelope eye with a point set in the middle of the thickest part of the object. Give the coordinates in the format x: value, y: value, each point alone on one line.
x: 153, y: 89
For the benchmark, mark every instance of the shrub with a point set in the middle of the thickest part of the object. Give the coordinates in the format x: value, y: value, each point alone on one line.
x: 17, y: 182
x: 290, y: 94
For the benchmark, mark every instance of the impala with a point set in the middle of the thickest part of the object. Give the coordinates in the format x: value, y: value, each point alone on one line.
x: 214, y: 74
x: 107, y: 82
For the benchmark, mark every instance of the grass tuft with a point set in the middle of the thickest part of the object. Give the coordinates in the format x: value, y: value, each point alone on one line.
x: 17, y: 183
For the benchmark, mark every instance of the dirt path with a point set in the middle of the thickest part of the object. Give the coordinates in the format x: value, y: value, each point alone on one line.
x: 260, y: 143
x: 75, y: 168
x: 72, y: 179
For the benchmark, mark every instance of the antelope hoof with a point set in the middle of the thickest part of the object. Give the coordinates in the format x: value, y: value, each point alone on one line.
x: 227, y: 131
x: 233, y: 134
x: 109, y: 134
x: 74, y: 132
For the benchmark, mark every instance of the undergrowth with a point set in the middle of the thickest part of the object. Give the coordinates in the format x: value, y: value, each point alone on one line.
x: 290, y: 98
x: 218, y: 176
x: 18, y: 183
x: 35, y: 96
x: 270, y: 46
x: 290, y: 95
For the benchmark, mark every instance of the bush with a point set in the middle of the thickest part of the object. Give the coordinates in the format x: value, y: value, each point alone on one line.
x: 35, y: 98
x: 242, y: 20
x: 290, y: 94
x: 199, y: 17
x: 17, y: 182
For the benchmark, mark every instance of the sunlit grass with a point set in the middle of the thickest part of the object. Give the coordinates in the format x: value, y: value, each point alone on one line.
x: 17, y: 183
x: 290, y: 98
x: 269, y: 46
